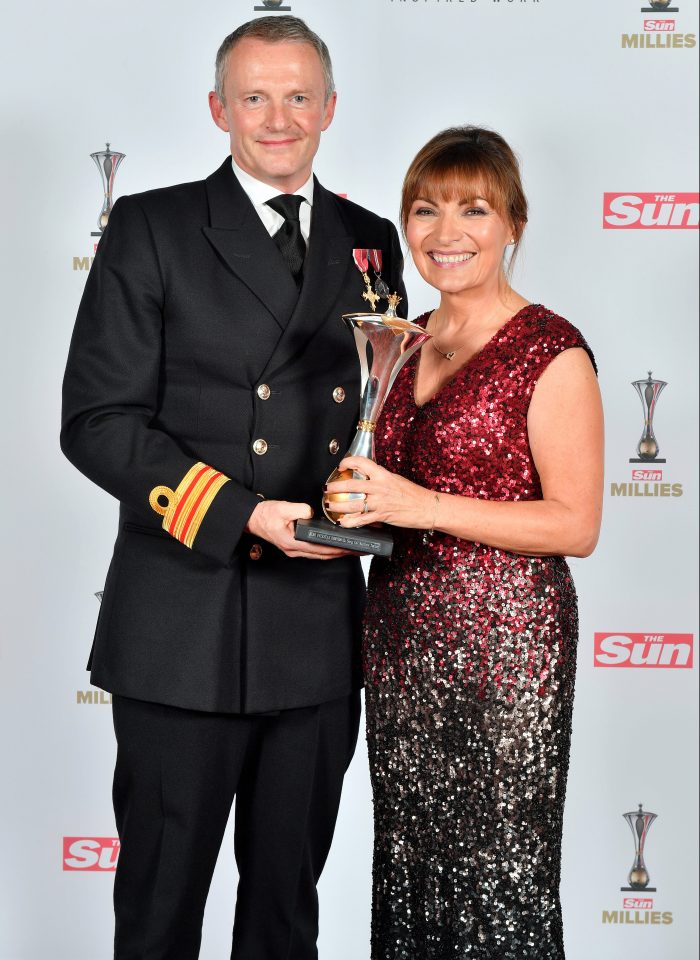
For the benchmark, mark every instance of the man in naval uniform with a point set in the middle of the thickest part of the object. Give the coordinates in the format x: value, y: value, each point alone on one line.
x: 211, y: 388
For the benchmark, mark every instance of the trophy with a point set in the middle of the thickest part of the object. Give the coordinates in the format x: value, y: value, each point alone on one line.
x: 271, y: 5
x: 648, y: 448
x: 385, y: 342
x: 659, y: 6
x: 640, y: 822
x: 107, y: 162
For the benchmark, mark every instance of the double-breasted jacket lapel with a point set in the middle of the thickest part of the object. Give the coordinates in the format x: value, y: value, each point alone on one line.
x: 241, y: 240
x: 238, y: 236
x: 327, y: 261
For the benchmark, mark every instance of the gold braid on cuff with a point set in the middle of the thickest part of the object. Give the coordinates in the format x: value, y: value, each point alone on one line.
x: 186, y: 506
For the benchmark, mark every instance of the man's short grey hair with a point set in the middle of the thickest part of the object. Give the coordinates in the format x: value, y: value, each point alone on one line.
x: 273, y: 29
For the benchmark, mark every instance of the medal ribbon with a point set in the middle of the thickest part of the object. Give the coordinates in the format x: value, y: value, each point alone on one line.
x: 360, y: 256
x: 375, y: 258
x: 364, y: 256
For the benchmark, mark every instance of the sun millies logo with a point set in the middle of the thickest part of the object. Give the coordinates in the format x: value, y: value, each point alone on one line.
x: 93, y: 697
x: 651, y: 211
x: 638, y: 915
x: 651, y: 650
x: 646, y: 478
x: 658, y: 33
x: 659, y: 26
x: 637, y: 903
x: 638, y: 909
x: 91, y: 854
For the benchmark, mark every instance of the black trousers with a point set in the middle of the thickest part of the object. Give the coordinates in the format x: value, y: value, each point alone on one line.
x: 176, y: 776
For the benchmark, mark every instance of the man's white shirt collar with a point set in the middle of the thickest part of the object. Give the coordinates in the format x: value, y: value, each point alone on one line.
x: 259, y: 193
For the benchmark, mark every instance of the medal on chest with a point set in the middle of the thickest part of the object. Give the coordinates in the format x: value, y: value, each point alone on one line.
x: 364, y: 257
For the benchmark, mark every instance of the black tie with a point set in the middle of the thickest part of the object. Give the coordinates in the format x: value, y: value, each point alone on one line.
x: 289, y: 238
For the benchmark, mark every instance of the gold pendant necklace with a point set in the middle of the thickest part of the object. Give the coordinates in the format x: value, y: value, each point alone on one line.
x: 450, y: 354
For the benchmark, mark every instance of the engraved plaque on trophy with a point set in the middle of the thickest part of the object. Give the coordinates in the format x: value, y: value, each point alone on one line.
x: 107, y: 163
x: 647, y: 448
x: 385, y: 342
x: 640, y: 822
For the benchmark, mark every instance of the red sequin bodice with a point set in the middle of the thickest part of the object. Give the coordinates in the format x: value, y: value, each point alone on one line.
x: 471, y: 438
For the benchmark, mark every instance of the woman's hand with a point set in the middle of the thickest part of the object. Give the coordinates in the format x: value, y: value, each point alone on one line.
x: 389, y: 498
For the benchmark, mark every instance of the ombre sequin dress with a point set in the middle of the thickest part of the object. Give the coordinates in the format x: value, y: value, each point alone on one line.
x: 469, y: 657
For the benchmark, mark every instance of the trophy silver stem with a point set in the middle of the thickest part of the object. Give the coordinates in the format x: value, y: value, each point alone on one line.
x: 648, y: 391
x: 640, y: 822
x: 363, y: 442
x: 107, y: 163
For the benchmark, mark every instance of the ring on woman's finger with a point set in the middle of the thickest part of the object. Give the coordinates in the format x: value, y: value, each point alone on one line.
x: 365, y: 506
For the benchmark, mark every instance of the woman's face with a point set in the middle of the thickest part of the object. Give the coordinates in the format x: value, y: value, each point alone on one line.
x: 457, y: 245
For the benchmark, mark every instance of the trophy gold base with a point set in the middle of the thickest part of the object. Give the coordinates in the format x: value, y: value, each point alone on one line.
x: 372, y: 540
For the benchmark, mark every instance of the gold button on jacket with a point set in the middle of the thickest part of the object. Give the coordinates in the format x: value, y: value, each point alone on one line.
x: 264, y: 391
x: 333, y: 446
x: 260, y: 447
x: 255, y: 552
x: 338, y: 394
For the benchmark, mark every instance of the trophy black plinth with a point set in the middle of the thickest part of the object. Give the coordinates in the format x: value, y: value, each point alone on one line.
x: 638, y: 889
x: 373, y: 540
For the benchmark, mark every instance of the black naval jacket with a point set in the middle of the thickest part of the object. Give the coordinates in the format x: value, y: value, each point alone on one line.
x: 192, y: 346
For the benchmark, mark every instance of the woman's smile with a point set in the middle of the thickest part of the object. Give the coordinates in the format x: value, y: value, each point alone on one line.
x: 450, y: 259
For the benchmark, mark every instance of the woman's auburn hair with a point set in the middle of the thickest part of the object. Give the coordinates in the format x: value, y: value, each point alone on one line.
x: 463, y: 163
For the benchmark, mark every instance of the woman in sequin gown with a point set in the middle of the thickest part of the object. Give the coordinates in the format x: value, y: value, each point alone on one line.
x: 489, y: 466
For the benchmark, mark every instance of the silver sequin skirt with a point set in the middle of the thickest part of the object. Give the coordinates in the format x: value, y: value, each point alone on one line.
x: 470, y: 658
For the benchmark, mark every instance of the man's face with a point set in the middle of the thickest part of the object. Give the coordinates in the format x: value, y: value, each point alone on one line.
x: 275, y: 110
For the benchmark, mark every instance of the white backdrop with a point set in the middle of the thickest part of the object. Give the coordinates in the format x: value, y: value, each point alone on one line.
x: 589, y: 114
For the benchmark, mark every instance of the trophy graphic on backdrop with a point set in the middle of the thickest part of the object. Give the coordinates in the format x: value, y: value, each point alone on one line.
x: 268, y: 5
x: 648, y: 448
x: 384, y: 343
x: 107, y: 163
x: 640, y: 822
